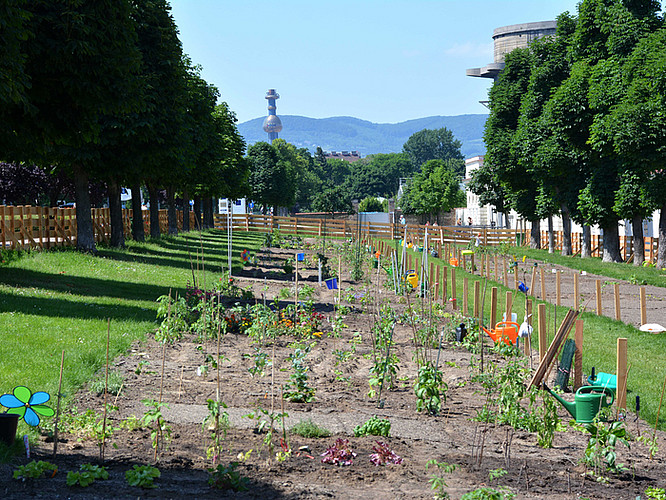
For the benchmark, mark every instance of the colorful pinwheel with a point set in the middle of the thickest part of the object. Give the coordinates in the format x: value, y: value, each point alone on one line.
x: 27, y: 405
x: 245, y: 256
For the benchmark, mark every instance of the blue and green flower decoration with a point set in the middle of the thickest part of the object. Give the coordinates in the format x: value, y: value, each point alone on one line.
x: 27, y: 405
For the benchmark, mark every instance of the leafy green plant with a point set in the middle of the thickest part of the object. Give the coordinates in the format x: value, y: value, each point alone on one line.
x: 87, y: 475
x: 217, y: 423
x: 142, y: 476
x: 437, y: 481
x: 297, y: 389
x: 430, y: 389
x: 489, y: 494
x: 227, y: 478
x: 116, y: 381
x: 497, y: 473
x: 172, y: 313
x: 308, y: 429
x: 655, y: 493
x: 600, y: 453
x: 35, y: 470
x: 160, y: 431
x: 375, y: 426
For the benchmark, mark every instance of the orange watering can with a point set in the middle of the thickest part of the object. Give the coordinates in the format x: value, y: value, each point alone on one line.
x: 504, y: 330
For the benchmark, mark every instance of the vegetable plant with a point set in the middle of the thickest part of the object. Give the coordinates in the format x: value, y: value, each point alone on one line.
x: 297, y: 389
x: 436, y: 481
x: 384, y: 455
x: 35, y: 470
x: 339, y: 454
x: 87, y: 475
x: 308, y: 429
x: 142, y: 476
x: 375, y: 426
x: 160, y: 431
x: 430, y: 389
x: 227, y: 478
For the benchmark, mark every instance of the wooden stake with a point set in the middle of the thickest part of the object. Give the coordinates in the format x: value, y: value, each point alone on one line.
x: 515, y: 278
x: 57, y: 415
x: 618, y: 313
x: 532, y: 283
x: 578, y: 356
x: 339, y: 278
x: 106, y: 390
x: 506, y: 276
x: 558, y: 288
x: 296, y: 289
x: 465, y: 306
x: 493, y: 307
x: 477, y: 297
x: 509, y: 305
x: 598, y: 291
x: 543, y: 335
x: 496, y: 269
x: 621, y: 395
x: 438, y: 281
x: 542, y: 275
x: 444, y: 285
x: 482, y: 262
x: 576, y: 300
x: 643, y: 306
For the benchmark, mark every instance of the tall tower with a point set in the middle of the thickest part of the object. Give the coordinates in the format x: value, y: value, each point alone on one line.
x: 272, y: 124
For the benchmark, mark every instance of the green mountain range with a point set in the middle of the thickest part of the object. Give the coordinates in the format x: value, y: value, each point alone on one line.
x: 344, y: 133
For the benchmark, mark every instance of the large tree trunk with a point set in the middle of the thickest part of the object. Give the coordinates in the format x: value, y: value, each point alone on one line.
x: 551, y: 235
x: 153, y: 194
x: 639, y: 241
x: 197, y: 211
x: 85, y: 233
x: 566, y: 231
x: 116, y: 214
x: 611, y: 244
x: 138, y: 232
x: 535, y: 234
x: 186, y: 210
x: 207, y: 212
x: 172, y: 216
x: 586, y: 248
x: 661, y: 251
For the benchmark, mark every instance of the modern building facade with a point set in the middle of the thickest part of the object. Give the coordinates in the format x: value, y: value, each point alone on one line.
x: 512, y: 37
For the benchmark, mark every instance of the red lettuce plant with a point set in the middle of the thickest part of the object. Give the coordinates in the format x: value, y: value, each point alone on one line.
x: 384, y: 455
x: 339, y: 454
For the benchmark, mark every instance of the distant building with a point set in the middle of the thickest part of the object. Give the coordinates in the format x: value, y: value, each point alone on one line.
x: 512, y: 37
x: 350, y: 156
x: 272, y: 123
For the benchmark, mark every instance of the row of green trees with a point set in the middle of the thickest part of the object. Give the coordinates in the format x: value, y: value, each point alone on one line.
x: 103, y: 91
x: 285, y: 176
x: 577, y: 127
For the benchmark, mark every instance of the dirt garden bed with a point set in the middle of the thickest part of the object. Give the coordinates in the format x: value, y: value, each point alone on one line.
x: 485, y: 455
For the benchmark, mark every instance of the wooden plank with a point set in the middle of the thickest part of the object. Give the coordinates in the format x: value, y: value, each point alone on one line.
x: 493, y: 307
x: 621, y: 395
x: 643, y: 306
x: 616, y: 292
x: 561, y: 335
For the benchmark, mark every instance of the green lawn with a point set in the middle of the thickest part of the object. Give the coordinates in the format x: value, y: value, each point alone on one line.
x: 62, y: 300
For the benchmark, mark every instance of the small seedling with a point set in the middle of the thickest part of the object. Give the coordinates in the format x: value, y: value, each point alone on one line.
x: 436, y: 481
x: 227, y: 478
x: 35, y: 470
x: 87, y: 475
x: 142, y: 476
x: 308, y: 429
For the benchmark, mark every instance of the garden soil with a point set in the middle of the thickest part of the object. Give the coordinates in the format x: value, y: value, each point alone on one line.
x: 341, y: 402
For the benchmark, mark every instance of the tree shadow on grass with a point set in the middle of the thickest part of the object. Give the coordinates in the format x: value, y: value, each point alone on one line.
x: 77, y: 285
x: 59, y: 308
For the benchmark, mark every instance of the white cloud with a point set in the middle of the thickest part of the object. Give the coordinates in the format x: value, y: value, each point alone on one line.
x: 470, y: 49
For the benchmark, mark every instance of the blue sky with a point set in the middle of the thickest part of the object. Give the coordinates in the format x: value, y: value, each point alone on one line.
x: 382, y: 61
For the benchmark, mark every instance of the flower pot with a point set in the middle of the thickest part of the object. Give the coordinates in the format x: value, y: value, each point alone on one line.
x: 8, y: 423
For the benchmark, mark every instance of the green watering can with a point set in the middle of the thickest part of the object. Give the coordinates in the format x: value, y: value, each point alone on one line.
x: 588, y: 401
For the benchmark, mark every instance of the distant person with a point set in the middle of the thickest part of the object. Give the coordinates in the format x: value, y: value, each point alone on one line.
x: 477, y: 240
x: 469, y: 221
x: 402, y: 220
x: 459, y: 222
x: 434, y: 224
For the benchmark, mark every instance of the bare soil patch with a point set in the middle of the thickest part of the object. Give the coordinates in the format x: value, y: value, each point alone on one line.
x: 339, y: 405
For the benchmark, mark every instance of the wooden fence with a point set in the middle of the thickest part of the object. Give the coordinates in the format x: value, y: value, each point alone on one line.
x: 344, y: 228
x: 23, y: 227
x: 626, y: 245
